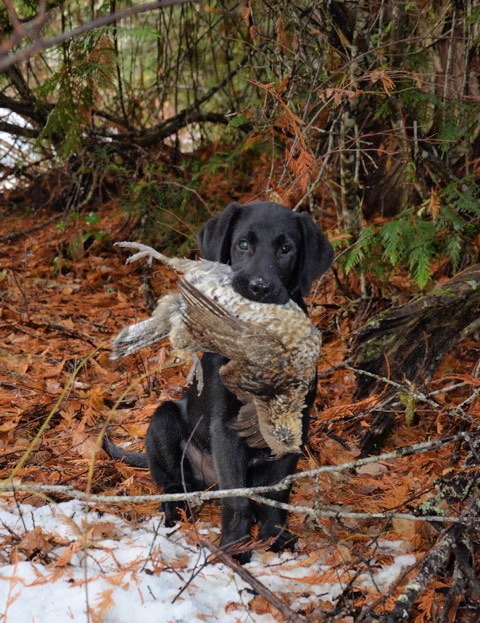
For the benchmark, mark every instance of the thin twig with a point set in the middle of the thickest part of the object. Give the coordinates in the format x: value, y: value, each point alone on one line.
x: 190, y: 190
x: 411, y: 392
x: 450, y: 388
x: 468, y: 400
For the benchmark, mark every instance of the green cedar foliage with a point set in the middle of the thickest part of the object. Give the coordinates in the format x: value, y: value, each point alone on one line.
x: 88, y: 65
x: 417, y: 238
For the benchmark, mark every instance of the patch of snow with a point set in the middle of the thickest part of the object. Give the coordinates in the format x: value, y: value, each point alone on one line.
x: 384, y: 577
x: 14, y: 149
x: 131, y: 573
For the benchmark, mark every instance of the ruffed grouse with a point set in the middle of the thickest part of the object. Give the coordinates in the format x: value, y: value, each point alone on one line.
x: 273, y: 349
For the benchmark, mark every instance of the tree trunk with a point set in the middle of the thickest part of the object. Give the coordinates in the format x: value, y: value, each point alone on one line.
x: 409, y: 342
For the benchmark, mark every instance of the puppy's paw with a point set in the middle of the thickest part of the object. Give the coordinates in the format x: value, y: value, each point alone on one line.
x: 284, y: 541
x: 172, y: 512
x: 237, y: 548
x: 279, y: 539
x: 242, y: 557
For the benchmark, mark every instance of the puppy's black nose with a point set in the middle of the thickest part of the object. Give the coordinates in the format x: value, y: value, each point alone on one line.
x: 260, y: 288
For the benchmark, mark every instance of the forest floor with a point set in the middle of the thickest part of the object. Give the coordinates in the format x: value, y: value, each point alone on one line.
x: 65, y: 292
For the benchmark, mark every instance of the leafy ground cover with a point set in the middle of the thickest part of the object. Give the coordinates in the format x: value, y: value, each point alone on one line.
x: 65, y: 293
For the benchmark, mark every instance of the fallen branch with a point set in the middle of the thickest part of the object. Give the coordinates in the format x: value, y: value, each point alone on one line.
x: 247, y: 577
x: 14, y: 235
x: 64, y: 330
x: 434, y: 562
x: 366, y: 613
x: 457, y: 540
x: 198, y: 497
x: 254, y: 492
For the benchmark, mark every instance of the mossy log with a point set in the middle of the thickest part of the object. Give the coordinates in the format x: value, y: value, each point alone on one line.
x: 409, y: 342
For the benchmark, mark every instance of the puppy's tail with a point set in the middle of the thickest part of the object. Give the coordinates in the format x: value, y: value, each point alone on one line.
x: 136, y: 459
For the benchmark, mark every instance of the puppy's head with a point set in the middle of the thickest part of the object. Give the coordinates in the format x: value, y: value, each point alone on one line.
x: 275, y: 253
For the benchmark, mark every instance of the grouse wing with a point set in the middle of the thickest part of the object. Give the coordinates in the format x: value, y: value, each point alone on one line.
x: 215, y: 328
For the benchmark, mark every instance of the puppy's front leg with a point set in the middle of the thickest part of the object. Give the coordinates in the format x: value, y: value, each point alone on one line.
x: 230, y: 458
x: 272, y: 521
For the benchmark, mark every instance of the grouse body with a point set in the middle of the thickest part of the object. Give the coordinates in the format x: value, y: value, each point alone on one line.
x: 273, y: 349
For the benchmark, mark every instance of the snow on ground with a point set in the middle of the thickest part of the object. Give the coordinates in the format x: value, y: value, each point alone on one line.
x: 128, y: 573
x: 13, y: 148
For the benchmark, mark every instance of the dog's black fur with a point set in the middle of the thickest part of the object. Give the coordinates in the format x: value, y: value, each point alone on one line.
x: 275, y: 255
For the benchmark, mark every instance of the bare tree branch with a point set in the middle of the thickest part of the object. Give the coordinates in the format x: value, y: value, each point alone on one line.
x: 171, y: 126
x: 21, y: 29
x: 434, y: 562
x: 7, y: 60
x: 18, y: 130
x: 191, y: 114
x: 25, y: 109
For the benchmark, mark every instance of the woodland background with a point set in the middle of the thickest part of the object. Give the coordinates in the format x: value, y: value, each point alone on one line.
x: 365, y: 114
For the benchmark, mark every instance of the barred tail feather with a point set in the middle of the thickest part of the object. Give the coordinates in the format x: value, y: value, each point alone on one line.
x: 137, y: 336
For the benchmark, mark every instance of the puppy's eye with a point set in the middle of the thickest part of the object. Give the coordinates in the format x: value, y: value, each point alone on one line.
x: 285, y: 248
x: 243, y: 245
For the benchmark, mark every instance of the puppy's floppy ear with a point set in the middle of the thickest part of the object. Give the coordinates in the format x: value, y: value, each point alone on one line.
x: 215, y: 237
x: 316, y: 253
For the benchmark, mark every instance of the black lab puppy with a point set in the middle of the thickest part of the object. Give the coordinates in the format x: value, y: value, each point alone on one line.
x: 275, y: 255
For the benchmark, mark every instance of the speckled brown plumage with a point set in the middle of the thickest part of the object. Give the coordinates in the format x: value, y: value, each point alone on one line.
x: 273, y: 349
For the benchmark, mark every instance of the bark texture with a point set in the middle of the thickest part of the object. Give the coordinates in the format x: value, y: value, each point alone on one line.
x: 409, y: 342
